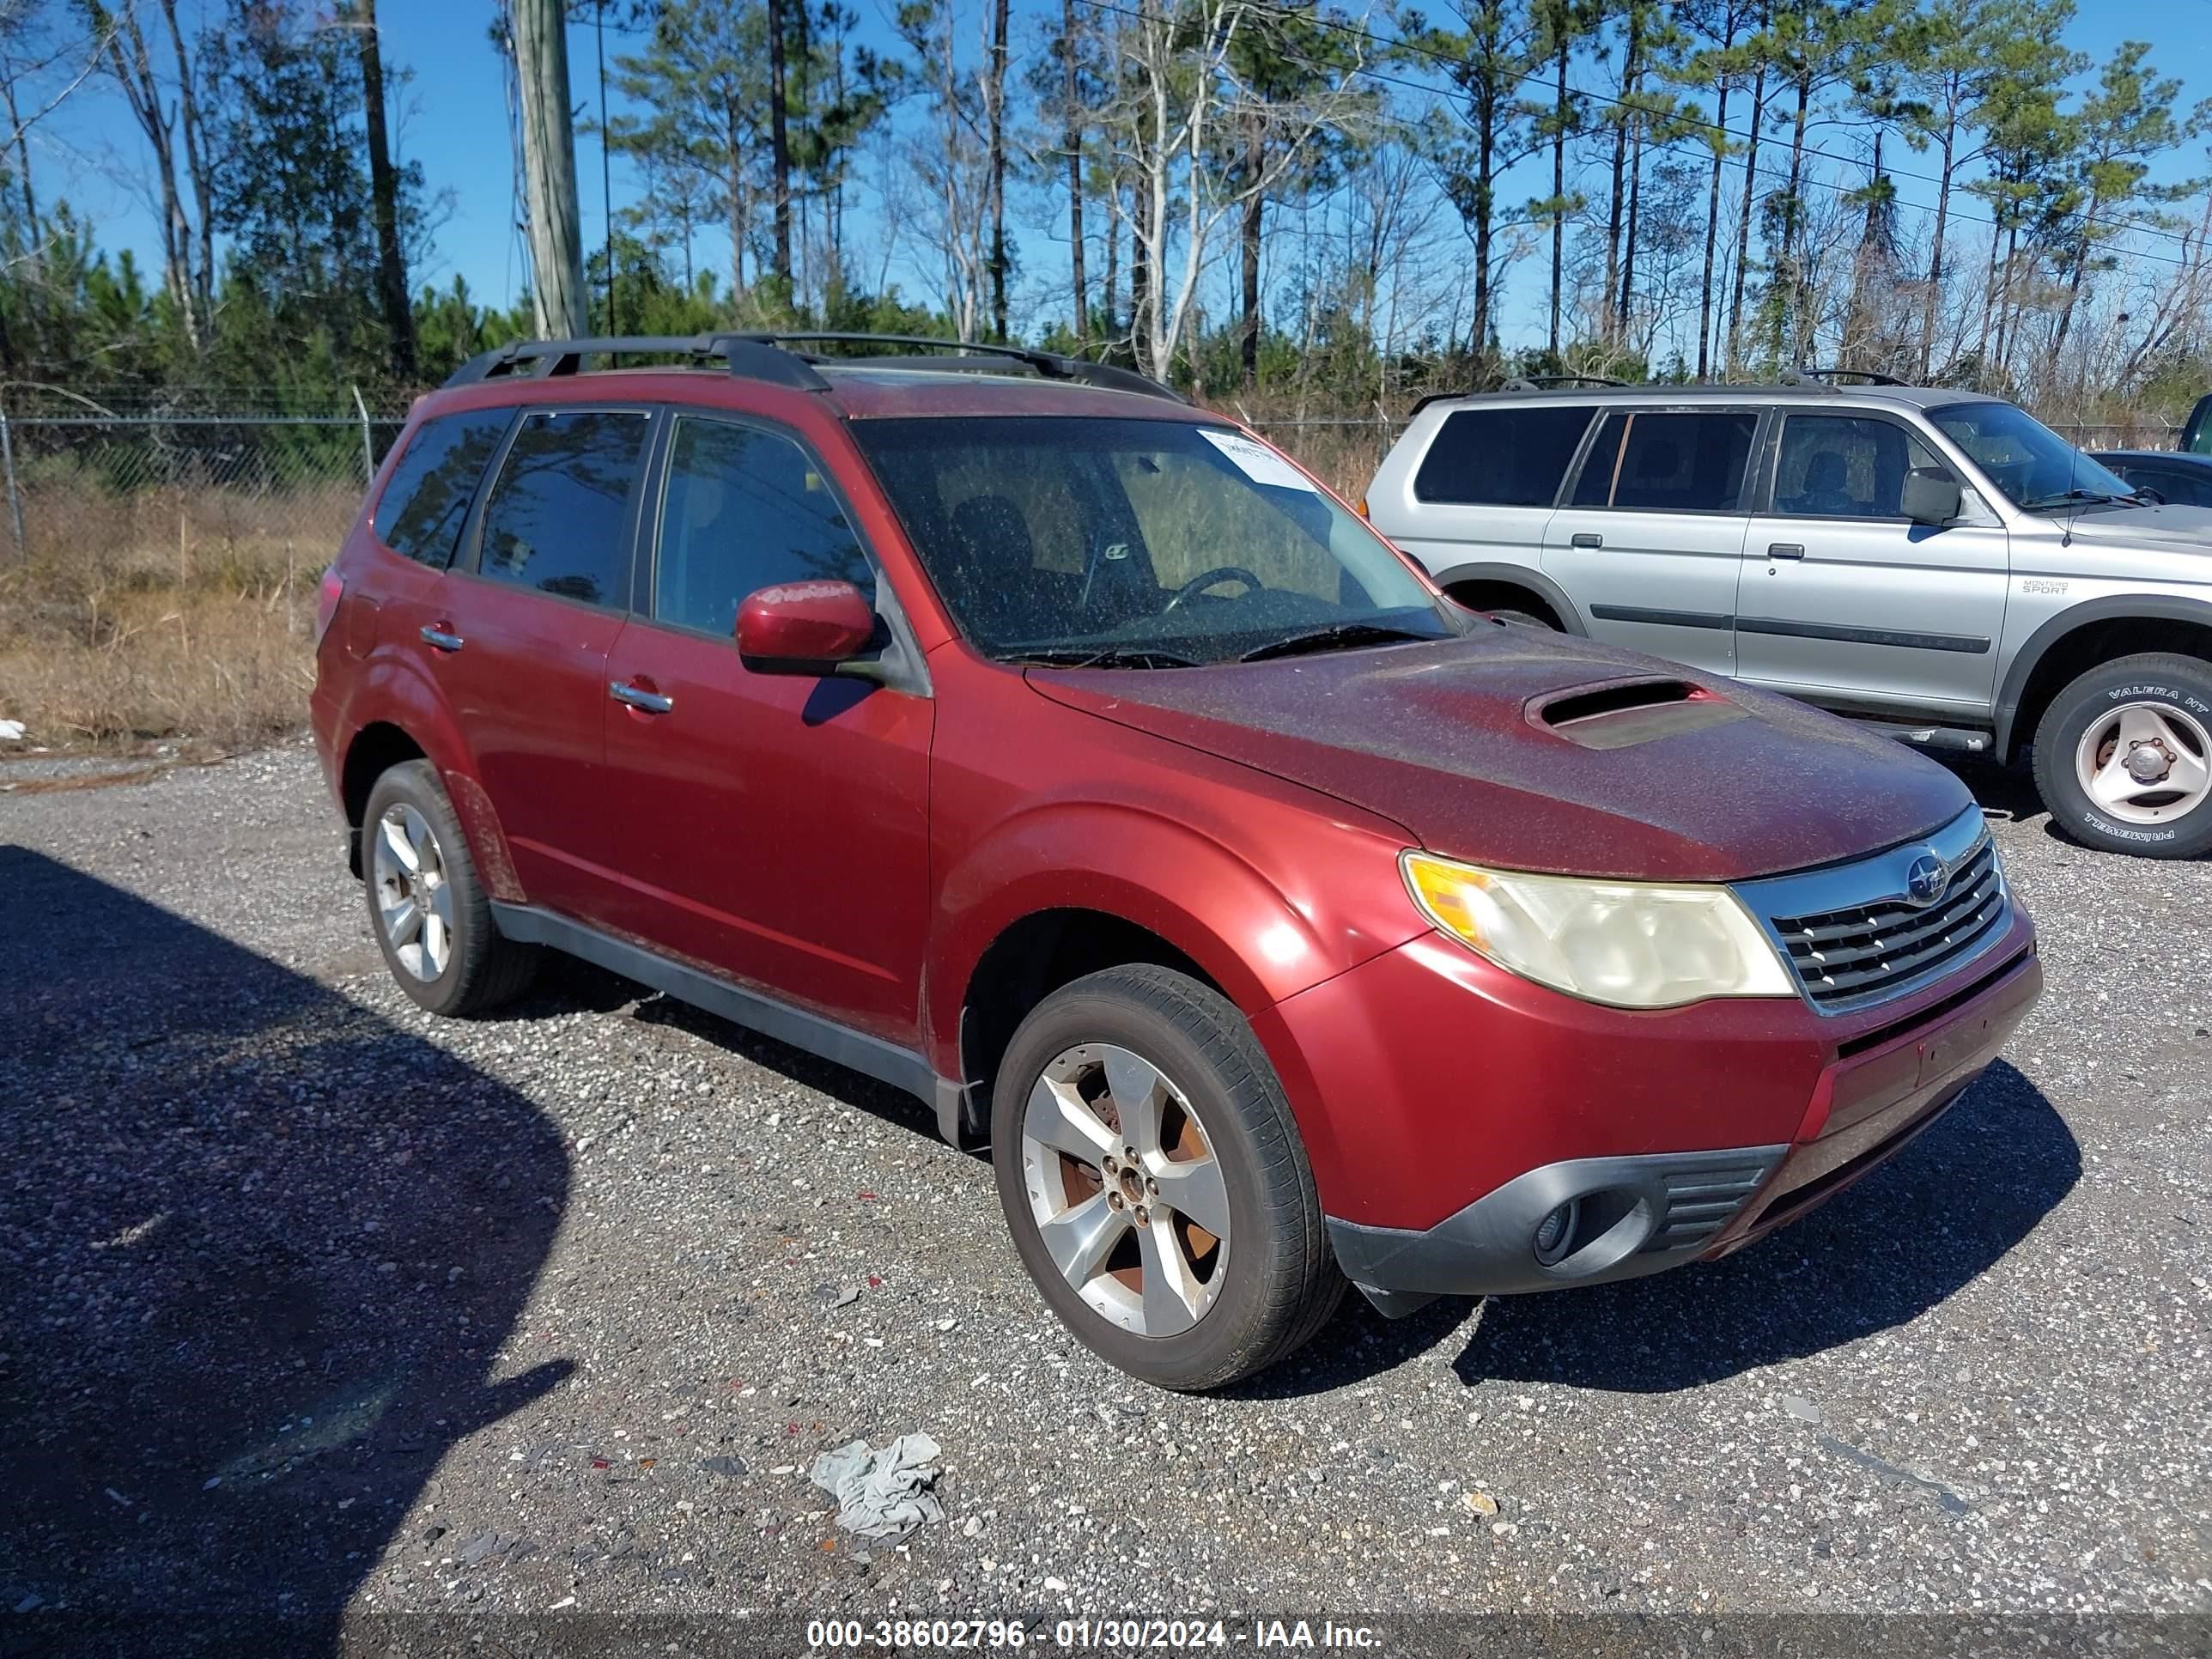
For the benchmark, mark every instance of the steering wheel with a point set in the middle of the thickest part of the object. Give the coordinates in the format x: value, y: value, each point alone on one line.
x: 1204, y: 580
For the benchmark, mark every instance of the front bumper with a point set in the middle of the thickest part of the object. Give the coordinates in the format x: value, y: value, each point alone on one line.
x: 1685, y: 1135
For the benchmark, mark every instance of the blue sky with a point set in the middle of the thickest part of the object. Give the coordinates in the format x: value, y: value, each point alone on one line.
x: 452, y: 119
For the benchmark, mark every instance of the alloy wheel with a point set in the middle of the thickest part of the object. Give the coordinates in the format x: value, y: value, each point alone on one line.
x: 2146, y: 762
x: 414, y: 903
x: 1126, y: 1190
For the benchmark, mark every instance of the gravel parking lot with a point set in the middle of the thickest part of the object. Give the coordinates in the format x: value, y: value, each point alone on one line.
x: 315, y: 1307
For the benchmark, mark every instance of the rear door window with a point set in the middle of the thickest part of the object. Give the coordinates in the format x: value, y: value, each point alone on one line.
x: 423, y: 508
x: 558, y: 520
x: 1669, y: 461
x: 1844, y: 467
x: 1512, y: 457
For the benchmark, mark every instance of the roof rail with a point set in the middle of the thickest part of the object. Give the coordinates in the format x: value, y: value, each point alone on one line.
x: 1817, y: 376
x: 1542, y: 382
x: 762, y: 355
x: 1050, y: 364
x: 542, y: 359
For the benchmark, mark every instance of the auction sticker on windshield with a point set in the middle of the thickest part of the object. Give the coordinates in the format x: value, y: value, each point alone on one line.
x: 1257, y: 461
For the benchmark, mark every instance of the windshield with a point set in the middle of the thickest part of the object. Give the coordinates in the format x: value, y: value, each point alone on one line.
x: 2033, y: 464
x: 1138, y: 543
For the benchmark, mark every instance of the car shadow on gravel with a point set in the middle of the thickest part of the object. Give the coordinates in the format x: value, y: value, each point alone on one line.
x: 1884, y: 1251
x: 258, y: 1250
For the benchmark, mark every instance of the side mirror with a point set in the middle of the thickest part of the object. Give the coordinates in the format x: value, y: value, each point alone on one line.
x: 804, y: 628
x: 1931, y: 496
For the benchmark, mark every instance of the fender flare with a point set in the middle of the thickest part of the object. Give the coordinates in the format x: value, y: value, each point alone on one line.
x: 1141, y: 867
x: 1520, y: 575
x: 395, y: 691
x: 2112, y: 607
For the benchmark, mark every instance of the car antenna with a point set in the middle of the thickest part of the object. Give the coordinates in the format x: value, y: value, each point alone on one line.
x: 2073, y: 493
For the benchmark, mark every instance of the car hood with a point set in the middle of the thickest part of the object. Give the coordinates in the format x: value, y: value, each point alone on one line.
x: 1456, y: 743
x: 2174, y: 528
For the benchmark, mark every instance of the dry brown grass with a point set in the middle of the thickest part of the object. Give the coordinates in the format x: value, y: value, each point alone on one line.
x: 184, y: 615
x: 165, y: 615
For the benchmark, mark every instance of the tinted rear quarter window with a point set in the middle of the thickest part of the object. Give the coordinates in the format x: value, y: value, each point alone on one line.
x: 421, y: 511
x: 1669, y: 461
x: 558, y: 519
x: 1501, y: 457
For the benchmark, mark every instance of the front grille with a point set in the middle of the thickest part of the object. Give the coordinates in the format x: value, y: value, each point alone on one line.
x: 1858, y: 955
x: 1701, y: 1198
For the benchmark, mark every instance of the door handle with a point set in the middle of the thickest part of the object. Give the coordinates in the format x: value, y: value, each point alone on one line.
x: 1785, y: 549
x: 436, y: 636
x: 651, y: 701
x: 1586, y: 539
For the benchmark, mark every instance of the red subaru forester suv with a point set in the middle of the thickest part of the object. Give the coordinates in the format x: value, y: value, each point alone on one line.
x: 1003, y: 727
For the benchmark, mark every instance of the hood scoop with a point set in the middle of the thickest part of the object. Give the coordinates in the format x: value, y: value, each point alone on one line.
x: 1620, y: 713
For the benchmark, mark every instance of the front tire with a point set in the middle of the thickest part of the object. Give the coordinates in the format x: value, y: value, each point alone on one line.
x: 1154, y: 1182
x: 431, y: 916
x: 2124, y: 757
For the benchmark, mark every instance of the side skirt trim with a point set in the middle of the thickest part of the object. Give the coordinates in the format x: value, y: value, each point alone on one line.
x: 871, y: 1056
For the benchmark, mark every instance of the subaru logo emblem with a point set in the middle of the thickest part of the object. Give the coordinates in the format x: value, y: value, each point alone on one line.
x: 1926, y: 878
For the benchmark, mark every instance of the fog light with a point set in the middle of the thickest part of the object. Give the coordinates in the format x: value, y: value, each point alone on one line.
x: 1555, y: 1233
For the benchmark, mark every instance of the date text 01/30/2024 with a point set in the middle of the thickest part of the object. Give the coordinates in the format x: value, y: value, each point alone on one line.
x: 1111, y: 1634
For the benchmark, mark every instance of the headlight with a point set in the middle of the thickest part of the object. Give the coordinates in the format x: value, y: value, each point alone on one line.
x: 1625, y: 944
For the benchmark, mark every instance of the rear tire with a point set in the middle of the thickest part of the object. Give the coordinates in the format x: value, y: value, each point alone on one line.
x: 431, y: 915
x: 2124, y: 757
x: 1524, y: 619
x: 1141, y: 1059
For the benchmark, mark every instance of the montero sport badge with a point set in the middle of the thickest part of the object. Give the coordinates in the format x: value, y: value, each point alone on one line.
x: 1926, y: 878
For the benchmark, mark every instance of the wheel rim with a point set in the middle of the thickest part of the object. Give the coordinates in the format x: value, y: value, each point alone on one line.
x: 414, y: 904
x: 2145, y: 763
x: 1126, y: 1190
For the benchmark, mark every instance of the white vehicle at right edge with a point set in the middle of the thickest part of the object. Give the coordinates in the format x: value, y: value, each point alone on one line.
x: 1937, y: 563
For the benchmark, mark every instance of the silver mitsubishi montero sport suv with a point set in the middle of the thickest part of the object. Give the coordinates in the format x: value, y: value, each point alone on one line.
x: 1938, y: 562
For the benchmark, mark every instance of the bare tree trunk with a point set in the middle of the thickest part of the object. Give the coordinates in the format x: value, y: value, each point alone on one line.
x: 1113, y: 260
x: 1613, y: 220
x: 1935, y: 252
x: 1249, y: 341
x: 22, y: 158
x: 1631, y: 79
x: 1485, y: 159
x: 1072, y: 138
x: 383, y: 198
x: 198, y: 163
x: 549, y: 159
x: 740, y: 199
x: 1793, y: 231
x: 1713, y: 219
x: 2004, y: 291
x: 133, y: 67
x: 1628, y: 246
x: 779, y: 127
x: 1141, y: 233
x: 1561, y: 109
x: 997, y: 112
x: 1750, y: 201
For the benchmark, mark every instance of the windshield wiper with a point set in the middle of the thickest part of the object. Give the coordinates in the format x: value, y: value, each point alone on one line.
x: 1332, y: 637
x: 2090, y: 497
x: 1111, y: 656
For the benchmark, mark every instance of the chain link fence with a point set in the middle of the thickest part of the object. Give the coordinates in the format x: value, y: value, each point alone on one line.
x: 181, y: 482
x: 119, y: 487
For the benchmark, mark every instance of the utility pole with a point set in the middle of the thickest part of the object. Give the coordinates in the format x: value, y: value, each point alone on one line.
x: 606, y: 167
x: 548, y: 166
x: 384, y: 204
